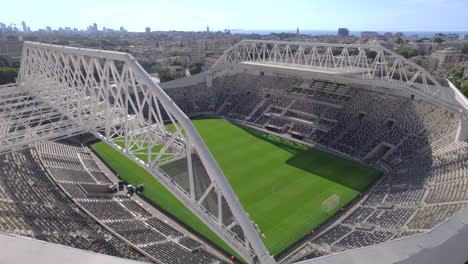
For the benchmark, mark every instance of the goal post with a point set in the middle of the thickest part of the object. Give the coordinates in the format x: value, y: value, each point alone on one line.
x: 331, y: 203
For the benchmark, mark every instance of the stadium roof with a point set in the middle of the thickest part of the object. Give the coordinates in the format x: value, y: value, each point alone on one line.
x: 366, y: 64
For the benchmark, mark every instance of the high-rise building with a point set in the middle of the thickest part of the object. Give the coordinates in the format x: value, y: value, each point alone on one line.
x: 48, y: 29
x: 2, y: 26
x: 344, y: 32
x: 207, y: 29
x: 25, y: 28
x: 297, y: 31
x: 147, y: 29
x: 197, y: 51
x: 122, y: 29
x: 95, y: 27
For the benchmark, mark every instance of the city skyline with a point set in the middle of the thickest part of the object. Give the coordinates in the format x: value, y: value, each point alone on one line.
x: 399, y: 15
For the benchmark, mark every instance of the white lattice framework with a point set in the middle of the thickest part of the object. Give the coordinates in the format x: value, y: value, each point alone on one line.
x: 25, y: 119
x: 370, y: 64
x: 110, y: 95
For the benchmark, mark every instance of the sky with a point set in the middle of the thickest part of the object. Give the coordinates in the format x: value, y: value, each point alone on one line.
x: 196, y: 15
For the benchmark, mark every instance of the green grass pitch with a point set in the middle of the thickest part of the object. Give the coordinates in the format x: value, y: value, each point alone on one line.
x: 280, y: 183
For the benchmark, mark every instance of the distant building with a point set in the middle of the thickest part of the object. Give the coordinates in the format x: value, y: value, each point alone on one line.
x: 413, y: 37
x: 463, y: 37
x: 147, y: 29
x: 48, y: 29
x: 427, y: 62
x: 25, y: 28
x: 197, y: 52
x: 450, y: 37
x: 2, y: 26
x: 95, y: 27
x: 369, y: 34
x: 122, y: 29
x: 207, y: 29
x: 399, y: 35
x: 297, y: 31
x: 388, y: 35
x: 447, y: 58
x: 11, y: 48
x: 344, y: 32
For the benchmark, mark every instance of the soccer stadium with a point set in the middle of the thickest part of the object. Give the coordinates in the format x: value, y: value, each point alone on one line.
x: 282, y: 152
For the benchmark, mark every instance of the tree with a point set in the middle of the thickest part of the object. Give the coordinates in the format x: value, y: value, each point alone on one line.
x: 438, y: 40
x: 153, y: 69
x: 8, y: 75
x: 61, y: 42
x: 371, y: 53
x: 464, y: 88
x: 3, y: 62
x: 465, y: 49
x: 458, y: 72
x: 165, y: 74
x: 148, y: 66
x: 407, y: 53
x: 176, y: 63
x: 194, y: 68
x: 399, y: 40
x: 413, y: 53
x: 353, y: 52
x: 402, y: 52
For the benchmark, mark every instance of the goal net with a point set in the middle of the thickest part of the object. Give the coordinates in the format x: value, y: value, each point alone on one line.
x: 331, y: 203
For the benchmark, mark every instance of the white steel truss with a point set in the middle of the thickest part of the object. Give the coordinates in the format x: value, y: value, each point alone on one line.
x: 26, y: 119
x: 370, y: 64
x: 110, y: 95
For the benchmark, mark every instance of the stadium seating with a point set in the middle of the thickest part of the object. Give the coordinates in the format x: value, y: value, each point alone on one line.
x: 426, y: 178
x: 31, y: 205
x: 358, y: 239
x: 76, y: 168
